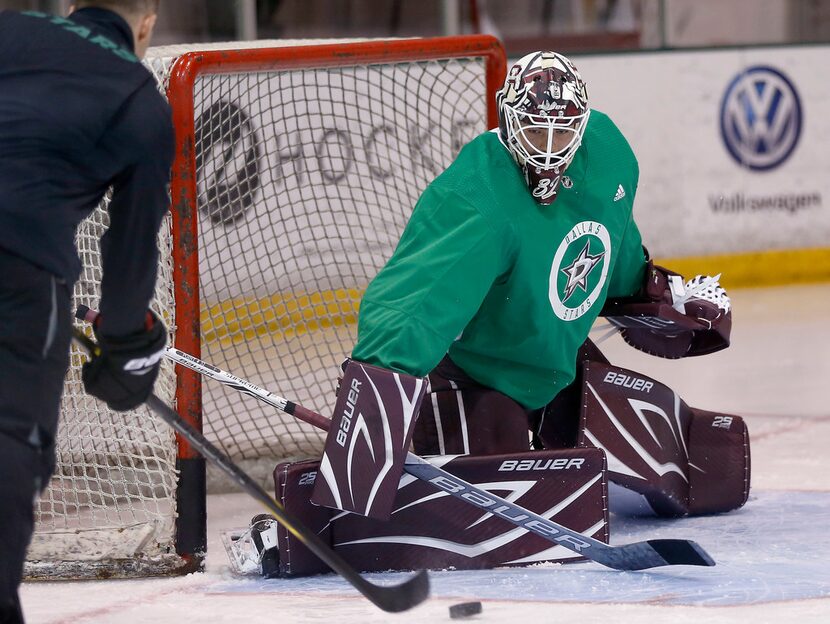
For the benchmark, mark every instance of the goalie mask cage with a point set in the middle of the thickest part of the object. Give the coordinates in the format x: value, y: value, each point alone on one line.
x: 296, y: 169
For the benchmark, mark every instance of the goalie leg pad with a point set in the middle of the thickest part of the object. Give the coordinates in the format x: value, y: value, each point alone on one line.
x: 430, y: 529
x: 370, y: 433
x: 719, y: 462
x: 683, y: 461
x: 294, y: 483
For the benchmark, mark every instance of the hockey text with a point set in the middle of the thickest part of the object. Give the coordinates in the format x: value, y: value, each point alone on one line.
x: 143, y: 365
x: 724, y: 422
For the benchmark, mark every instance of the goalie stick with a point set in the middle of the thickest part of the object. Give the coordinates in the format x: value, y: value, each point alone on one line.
x: 636, y: 556
x: 391, y: 598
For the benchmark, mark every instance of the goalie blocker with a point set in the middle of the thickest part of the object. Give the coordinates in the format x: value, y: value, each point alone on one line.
x: 369, y: 437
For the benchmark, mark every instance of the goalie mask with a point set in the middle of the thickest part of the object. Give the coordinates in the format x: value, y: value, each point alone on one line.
x: 543, y: 111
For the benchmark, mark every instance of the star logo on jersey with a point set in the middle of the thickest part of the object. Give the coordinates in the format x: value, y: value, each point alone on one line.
x: 579, y: 270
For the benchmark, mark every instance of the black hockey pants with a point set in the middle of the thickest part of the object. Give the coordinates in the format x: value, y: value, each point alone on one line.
x: 35, y: 328
x: 459, y: 416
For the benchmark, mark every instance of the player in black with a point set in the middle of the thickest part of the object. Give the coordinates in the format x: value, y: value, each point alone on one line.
x: 79, y: 114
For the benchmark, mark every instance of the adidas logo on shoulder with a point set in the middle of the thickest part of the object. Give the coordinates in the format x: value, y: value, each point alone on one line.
x: 620, y: 193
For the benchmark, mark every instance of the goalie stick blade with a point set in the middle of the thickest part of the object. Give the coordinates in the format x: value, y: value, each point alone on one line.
x: 682, y: 552
x: 654, y: 554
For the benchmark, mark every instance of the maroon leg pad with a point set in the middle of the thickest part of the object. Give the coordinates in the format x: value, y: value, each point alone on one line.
x: 643, y: 432
x: 661, y: 448
x: 719, y: 462
x: 294, y: 483
x: 430, y: 529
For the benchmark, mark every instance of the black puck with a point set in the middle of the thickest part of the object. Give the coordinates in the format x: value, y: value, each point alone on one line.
x: 464, y: 609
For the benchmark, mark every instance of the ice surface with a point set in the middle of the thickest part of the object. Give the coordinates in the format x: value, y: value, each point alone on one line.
x: 773, y: 556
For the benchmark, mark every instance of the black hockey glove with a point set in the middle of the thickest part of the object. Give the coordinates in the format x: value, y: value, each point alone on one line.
x: 123, y: 374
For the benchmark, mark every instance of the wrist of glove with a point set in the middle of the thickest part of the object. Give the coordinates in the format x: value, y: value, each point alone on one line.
x: 662, y: 285
x: 124, y: 372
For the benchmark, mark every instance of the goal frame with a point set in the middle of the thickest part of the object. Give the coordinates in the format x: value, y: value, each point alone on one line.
x: 191, y: 521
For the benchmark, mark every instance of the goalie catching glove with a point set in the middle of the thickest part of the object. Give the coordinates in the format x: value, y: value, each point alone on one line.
x: 673, y: 319
x: 124, y: 372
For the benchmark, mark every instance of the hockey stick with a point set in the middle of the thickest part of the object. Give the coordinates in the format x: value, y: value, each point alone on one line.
x: 636, y: 556
x: 392, y: 598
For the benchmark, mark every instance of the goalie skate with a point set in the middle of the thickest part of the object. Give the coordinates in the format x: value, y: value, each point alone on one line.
x: 253, y: 551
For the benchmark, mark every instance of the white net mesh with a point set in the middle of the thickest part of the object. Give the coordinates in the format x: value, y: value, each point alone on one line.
x: 306, y: 179
x: 111, y: 502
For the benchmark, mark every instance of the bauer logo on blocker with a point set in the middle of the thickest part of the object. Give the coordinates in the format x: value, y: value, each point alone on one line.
x: 760, y: 118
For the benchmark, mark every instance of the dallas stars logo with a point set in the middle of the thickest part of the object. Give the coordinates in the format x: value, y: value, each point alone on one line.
x: 579, y: 270
x: 586, y: 272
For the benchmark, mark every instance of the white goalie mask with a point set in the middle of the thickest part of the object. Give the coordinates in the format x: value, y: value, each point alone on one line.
x: 543, y: 112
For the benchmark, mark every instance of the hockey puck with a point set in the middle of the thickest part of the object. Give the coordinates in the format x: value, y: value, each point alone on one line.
x: 464, y: 609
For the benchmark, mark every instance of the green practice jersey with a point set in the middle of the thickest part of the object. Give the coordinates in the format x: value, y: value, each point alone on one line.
x: 508, y: 287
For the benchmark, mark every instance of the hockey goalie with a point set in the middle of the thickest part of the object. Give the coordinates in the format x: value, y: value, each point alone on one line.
x: 473, y: 350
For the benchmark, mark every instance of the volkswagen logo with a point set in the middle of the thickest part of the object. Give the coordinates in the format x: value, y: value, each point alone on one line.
x: 760, y: 118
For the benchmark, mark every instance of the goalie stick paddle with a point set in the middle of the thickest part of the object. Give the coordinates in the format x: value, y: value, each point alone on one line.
x: 391, y: 598
x: 636, y: 556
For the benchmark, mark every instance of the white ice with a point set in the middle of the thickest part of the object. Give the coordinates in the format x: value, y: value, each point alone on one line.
x: 773, y: 555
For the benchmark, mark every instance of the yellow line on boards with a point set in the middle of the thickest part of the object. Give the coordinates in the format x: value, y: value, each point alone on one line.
x: 753, y: 269
x: 282, y: 315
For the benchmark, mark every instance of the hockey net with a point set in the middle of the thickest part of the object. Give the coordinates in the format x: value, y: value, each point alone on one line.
x: 297, y: 167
